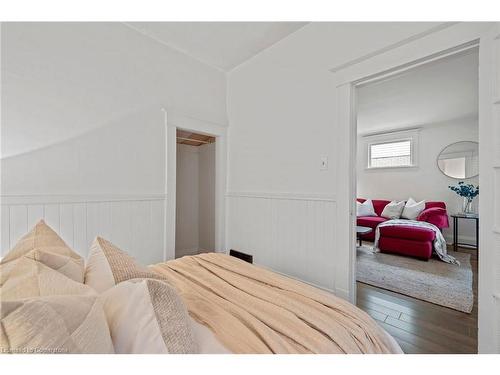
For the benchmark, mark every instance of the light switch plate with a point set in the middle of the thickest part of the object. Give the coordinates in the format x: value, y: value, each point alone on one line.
x: 323, y: 163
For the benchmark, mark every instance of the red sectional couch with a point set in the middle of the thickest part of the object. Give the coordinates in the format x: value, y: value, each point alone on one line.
x: 410, y: 241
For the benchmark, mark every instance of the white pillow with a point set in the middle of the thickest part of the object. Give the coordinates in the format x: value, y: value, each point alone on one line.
x: 147, y: 316
x: 365, y: 208
x: 393, y: 210
x: 108, y: 265
x: 412, y: 209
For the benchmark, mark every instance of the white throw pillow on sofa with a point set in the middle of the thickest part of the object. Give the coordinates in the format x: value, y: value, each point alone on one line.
x: 365, y: 208
x: 412, y: 209
x: 393, y: 210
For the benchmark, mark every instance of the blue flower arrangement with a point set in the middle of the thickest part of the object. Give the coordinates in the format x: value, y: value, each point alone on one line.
x: 468, y: 192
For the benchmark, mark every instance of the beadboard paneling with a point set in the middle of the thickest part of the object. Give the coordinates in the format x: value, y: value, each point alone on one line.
x: 496, y: 131
x: 496, y: 199
x: 293, y: 235
x: 135, y: 223
x: 497, y: 321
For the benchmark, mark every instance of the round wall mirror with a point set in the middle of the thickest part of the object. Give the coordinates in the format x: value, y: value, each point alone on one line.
x: 460, y: 160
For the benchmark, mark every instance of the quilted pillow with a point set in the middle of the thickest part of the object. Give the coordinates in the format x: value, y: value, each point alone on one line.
x: 45, y: 246
x: 148, y: 316
x: 29, y: 278
x: 56, y: 324
x: 107, y: 266
x: 393, y: 210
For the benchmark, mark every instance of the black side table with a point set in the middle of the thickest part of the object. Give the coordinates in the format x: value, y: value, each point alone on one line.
x: 456, y: 218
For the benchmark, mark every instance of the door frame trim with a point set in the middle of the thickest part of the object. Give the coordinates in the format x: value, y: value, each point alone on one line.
x: 173, y: 121
x: 407, y: 56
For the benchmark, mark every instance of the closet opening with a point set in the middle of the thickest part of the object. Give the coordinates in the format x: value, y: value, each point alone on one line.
x: 195, y: 193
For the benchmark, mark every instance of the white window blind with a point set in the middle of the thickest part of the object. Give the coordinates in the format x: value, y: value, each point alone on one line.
x: 391, y: 154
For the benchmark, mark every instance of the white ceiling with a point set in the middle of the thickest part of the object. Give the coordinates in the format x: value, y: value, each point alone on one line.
x: 222, y: 45
x: 436, y: 92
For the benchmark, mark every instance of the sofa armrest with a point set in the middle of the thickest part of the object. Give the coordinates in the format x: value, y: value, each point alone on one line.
x: 435, y: 215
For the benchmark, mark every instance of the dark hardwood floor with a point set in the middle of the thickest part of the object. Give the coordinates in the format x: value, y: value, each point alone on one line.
x: 421, y: 327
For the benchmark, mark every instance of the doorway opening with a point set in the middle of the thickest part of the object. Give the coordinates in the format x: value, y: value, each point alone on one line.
x: 195, y: 193
x: 416, y: 262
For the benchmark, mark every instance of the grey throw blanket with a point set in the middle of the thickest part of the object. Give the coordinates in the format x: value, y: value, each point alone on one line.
x: 439, y: 243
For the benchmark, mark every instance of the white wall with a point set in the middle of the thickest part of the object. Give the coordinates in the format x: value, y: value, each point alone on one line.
x: 282, y: 116
x: 195, y: 200
x: 187, y: 201
x: 124, y: 157
x: 81, y: 120
x: 207, y: 197
x: 60, y: 80
x: 88, y: 96
x: 426, y: 181
x: 281, y: 105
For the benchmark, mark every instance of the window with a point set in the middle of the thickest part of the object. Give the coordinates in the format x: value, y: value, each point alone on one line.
x: 393, y: 154
x: 392, y: 150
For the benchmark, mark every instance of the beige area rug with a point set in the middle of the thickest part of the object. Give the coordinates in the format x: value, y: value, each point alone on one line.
x: 433, y: 281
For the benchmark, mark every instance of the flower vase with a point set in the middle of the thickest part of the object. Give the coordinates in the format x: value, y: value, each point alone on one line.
x: 467, y: 206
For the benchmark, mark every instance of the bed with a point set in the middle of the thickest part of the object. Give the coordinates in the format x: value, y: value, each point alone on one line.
x: 207, y: 303
x: 253, y: 310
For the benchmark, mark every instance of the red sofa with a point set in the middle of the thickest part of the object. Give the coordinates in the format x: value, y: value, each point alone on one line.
x: 410, y: 241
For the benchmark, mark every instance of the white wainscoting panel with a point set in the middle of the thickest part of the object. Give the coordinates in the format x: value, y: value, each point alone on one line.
x: 134, y: 223
x: 291, y: 234
x: 496, y: 328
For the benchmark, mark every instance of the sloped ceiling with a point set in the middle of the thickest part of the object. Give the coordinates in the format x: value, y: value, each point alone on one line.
x: 222, y: 45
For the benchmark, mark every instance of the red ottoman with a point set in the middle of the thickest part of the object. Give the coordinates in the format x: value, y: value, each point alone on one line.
x: 406, y: 240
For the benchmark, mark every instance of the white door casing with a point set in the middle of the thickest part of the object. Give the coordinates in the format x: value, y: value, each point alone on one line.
x: 174, y: 120
x: 404, y: 56
x: 489, y: 180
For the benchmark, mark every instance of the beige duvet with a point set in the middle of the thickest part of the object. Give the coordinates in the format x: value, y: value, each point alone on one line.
x: 241, y: 308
